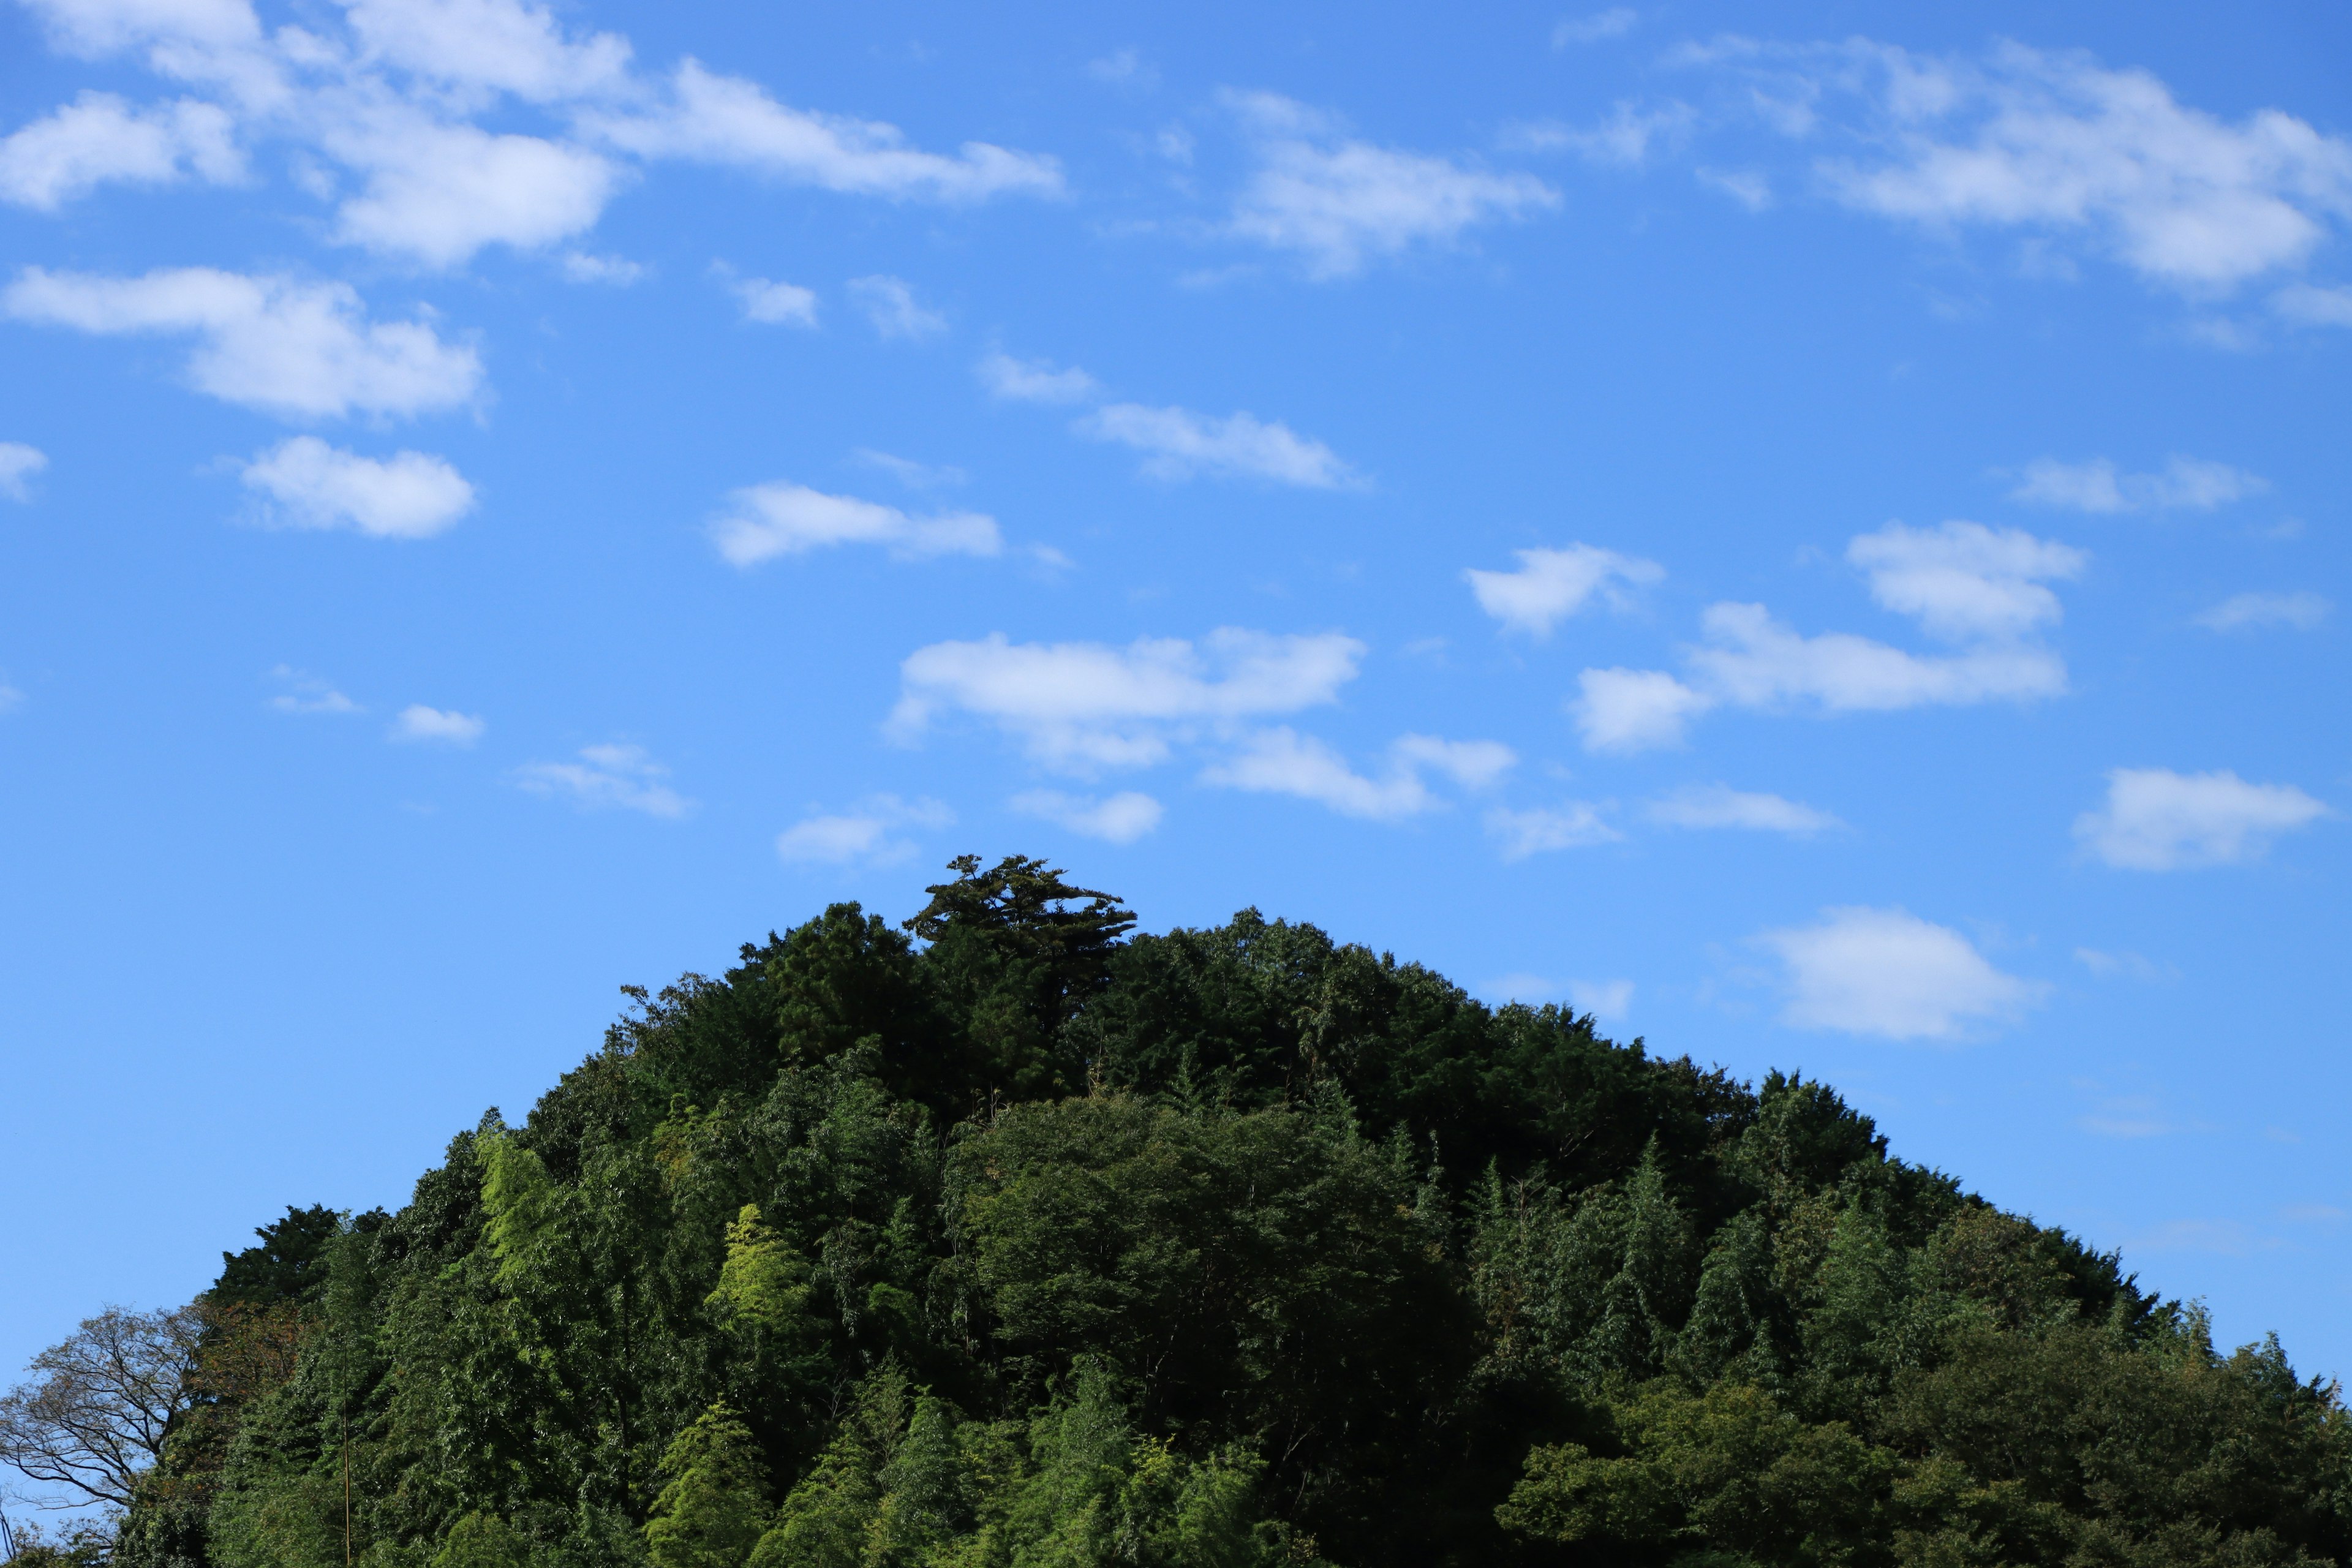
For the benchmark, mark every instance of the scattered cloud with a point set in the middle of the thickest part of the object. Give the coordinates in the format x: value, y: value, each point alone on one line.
x: 1599, y: 27
x: 1035, y: 381
x: 581, y: 267
x: 1121, y: 818
x: 445, y: 726
x: 1082, y: 706
x: 1625, y: 139
x: 1337, y: 202
x: 2159, y: 820
x: 2131, y: 966
x: 2309, y: 305
x: 2060, y: 147
x: 1280, y: 761
x: 1888, y: 973
x: 98, y: 139
x: 296, y: 350
x: 776, y: 304
x: 915, y: 476
x: 727, y: 120
x: 1124, y: 68
x: 1752, y: 661
x: 18, y: 464
x: 1719, y: 805
x: 410, y: 495
x: 2126, y: 1116
x: 1751, y: 188
x: 307, y: 694
x: 867, y: 834
x: 1965, y: 582
x: 1542, y: 829
x: 1552, y: 584
x: 890, y: 304
x: 1634, y: 710
x: 1607, y: 1000
x: 1179, y: 443
x: 2097, y: 487
x: 606, y: 777
x: 780, y: 519
x: 2248, y: 612
x: 436, y: 194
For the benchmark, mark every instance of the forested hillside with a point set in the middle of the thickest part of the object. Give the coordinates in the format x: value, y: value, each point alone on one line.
x: 1009, y: 1237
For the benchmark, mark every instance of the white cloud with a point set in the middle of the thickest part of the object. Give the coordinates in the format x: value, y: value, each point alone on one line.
x: 411, y: 494
x: 304, y: 350
x: 495, y: 44
x: 1964, y: 580
x: 915, y: 476
x: 2309, y: 305
x: 1337, y: 202
x: 436, y: 194
x: 581, y: 268
x: 2055, y: 142
x: 1552, y: 584
x: 1614, y: 23
x: 1122, y: 818
x: 1181, y: 443
x: 2159, y: 820
x: 1634, y: 710
x: 1121, y: 66
x: 99, y: 138
x: 774, y: 303
x: 1084, y: 706
x: 307, y: 694
x: 726, y: 120
x: 1035, y: 381
x: 781, y: 519
x: 19, y: 463
x: 607, y: 776
x: 2241, y: 612
x: 1750, y: 188
x: 1890, y: 973
x: 1607, y: 1000
x: 1719, y: 805
x: 889, y: 303
x: 10, y: 698
x: 445, y: 726
x: 95, y: 27
x: 2097, y: 487
x: 1545, y: 829
x: 1280, y: 761
x: 1754, y: 661
x: 2107, y: 966
x: 1624, y: 140
x: 864, y: 834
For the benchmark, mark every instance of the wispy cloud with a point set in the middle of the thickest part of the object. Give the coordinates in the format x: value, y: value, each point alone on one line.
x: 1595, y: 28
x: 2157, y: 820
x: 890, y: 304
x: 871, y: 833
x: 441, y: 726
x: 98, y: 139
x: 2248, y: 612
x: 1120, y: 818
x: 773, y: 303
x: 306, y: 693
x: 1337, y: 202
x: 1179, y: 443
x: 1035, y: 381
x: 2098, y: 487
x: 1280, y: 761
x: 18, y: 464
x: 772, y: 519
x: 610, y: 776
x: 1719, y: 805
x: 1541, y: 830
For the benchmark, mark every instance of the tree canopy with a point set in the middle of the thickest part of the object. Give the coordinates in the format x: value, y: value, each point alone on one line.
x: 1011, y: 1237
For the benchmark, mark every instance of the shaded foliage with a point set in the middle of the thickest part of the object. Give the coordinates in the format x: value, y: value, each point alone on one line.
x: 1009, y: 1237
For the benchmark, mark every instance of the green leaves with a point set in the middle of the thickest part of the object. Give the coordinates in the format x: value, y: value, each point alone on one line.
x: 713, y: 1508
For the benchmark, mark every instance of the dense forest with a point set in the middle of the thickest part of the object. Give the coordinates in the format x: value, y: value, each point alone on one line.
x: 1008, y: 1237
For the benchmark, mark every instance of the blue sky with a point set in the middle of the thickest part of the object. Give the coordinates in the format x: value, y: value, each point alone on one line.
x: 1823, y: 545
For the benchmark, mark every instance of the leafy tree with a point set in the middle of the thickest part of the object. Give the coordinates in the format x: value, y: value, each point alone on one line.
x: 714, y: 1508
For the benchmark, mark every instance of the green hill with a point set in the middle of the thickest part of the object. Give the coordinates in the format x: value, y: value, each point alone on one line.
x: 1022, y: 1240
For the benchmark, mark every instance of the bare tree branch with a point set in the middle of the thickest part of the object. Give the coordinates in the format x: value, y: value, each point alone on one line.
x: 96, y: 1411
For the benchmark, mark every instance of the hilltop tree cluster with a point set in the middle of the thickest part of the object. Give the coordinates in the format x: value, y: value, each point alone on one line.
x: 1010, y: 1238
